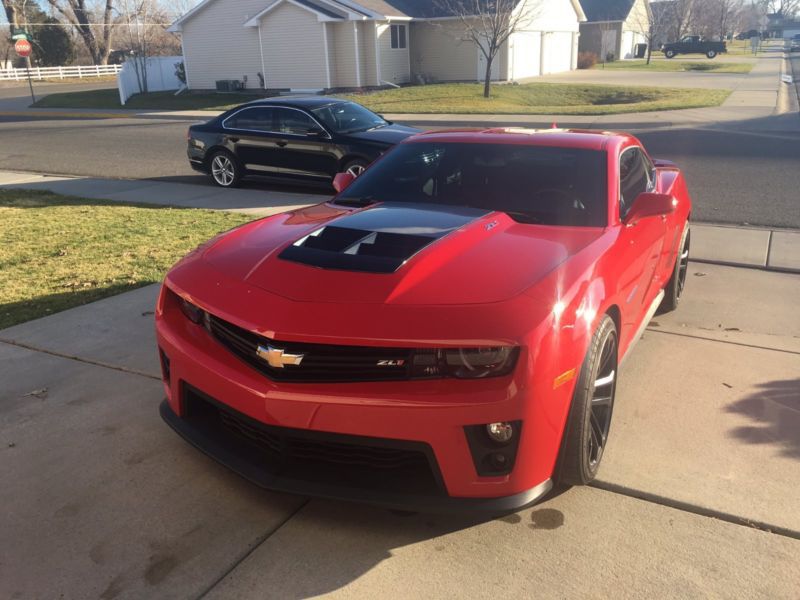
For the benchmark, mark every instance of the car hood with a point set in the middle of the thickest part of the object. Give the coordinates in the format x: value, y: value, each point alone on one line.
x: 391, y: 134
x: 397, y: 253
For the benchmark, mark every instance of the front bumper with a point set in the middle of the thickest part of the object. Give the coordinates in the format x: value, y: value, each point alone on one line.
x: 244, y: 459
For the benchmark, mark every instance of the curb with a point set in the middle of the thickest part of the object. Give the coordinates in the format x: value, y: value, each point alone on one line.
x: 62, y: 115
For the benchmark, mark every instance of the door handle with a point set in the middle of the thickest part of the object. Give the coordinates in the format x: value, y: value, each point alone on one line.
x: 281, y: 143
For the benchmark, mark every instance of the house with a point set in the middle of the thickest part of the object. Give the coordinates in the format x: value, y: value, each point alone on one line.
x: 311, y: 45
x: 614, y: 27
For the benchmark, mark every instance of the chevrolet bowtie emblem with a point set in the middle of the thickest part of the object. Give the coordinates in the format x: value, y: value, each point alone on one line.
x: 277, y: 358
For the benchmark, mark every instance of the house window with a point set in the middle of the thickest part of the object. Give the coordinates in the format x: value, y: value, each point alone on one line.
x: 398, y: 36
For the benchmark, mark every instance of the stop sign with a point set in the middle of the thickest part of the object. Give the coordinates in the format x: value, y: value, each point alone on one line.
x: 23, y: 48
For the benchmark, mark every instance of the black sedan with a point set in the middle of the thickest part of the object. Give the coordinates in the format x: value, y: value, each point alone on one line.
x: 306, y: 138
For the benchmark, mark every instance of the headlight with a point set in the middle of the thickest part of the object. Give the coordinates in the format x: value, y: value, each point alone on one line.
x: 465, y: 363
x: 192, y: 312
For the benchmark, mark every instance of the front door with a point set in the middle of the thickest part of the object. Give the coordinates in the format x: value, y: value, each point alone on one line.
x: 306, y: 149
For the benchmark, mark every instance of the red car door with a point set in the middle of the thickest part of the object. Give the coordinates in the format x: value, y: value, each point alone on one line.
x: 640, y: 244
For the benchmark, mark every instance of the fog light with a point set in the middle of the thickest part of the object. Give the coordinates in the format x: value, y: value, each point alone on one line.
x: 500, y: 432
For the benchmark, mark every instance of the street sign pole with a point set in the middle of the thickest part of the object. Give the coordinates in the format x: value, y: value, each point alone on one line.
x: 30, y: 82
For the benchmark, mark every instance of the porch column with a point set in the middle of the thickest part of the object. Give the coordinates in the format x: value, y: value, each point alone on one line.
x: 573, y: 63
x: 327, y: 58
x: 378, y: 55
x: 358, y: 54
x: 261, y: 50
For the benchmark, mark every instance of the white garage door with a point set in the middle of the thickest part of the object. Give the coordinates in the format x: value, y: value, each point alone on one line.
x: 557, y: 52
x: 525, y: 58
x: 627, y: 45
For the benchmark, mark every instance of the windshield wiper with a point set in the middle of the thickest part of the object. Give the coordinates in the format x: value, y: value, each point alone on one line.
x: 357, y: 202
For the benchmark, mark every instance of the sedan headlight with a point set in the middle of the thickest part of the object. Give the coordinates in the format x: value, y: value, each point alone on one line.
x: 465, y: 363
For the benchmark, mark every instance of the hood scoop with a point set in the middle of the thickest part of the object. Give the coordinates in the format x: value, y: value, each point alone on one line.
x: 377, y: 240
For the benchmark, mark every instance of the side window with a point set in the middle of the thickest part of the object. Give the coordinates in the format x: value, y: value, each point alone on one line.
x: 398, y: 33
x: 293, y: 122
x: 634, y: 178
x: 253, y: 119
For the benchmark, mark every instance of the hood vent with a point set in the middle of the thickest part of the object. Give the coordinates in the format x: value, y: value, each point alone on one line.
x: 379, y: 242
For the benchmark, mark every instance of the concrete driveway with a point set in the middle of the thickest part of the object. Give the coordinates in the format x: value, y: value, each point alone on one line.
x: 696, y: 497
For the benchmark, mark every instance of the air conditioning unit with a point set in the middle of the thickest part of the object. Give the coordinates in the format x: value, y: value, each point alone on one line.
x: 229, y: 85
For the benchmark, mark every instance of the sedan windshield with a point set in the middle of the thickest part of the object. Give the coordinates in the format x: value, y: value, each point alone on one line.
x: 348, y: 117
x: 532, y: 184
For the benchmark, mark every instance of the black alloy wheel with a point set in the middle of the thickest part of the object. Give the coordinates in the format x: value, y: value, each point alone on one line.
x: 677, y: 281
x: 589, y: 420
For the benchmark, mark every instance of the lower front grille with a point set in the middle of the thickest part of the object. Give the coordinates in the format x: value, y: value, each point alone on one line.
x: 336, y: 459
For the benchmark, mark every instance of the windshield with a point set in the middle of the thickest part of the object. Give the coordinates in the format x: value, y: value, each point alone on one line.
x: 532, y: 184
x: 348, y: 117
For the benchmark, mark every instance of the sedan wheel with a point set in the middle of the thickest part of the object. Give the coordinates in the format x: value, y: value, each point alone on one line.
x: 355, y: 168
x: 224, y: 170
x: 589, y: 420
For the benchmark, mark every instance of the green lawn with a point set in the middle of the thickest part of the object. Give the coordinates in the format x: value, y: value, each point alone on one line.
x: 107, y: 99
x: 536, y: 98
x: 59, y: 251
x: 709, y: 66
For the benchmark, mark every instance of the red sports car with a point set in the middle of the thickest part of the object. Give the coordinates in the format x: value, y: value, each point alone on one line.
x: 444, y: 333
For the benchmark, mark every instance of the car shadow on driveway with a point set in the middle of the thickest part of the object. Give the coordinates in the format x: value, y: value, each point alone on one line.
x: 775, y: 411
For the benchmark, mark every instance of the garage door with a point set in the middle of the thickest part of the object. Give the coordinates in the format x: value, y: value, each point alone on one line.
x: 626, y: 51
x: 557, y: 52
x: 525, y: 58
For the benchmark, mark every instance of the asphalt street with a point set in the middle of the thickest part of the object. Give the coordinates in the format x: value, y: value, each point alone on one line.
x: 734, y: 177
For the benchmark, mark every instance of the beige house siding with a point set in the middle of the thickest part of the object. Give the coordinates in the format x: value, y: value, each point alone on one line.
x: 366, y: 42
x: 343, y: 57
x: 214, y: 26
x: 438, y: 52
x: 395, y: 62
x: 288, y: 64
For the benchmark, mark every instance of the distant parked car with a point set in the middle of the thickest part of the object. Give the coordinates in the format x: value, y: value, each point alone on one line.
x: 309, y: 138
x: 795, y: 44
x: 693, y: 44
x: 746, y: 35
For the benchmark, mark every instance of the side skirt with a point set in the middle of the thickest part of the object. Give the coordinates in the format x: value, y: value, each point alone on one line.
x: 645, y: 322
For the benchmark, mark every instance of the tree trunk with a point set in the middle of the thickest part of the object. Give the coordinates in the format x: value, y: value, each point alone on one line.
x: 487, y: 82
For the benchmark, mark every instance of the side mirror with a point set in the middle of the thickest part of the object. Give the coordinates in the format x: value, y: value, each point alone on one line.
x: 315, y: 132
x: 342, y: 180
x: 649, y: 204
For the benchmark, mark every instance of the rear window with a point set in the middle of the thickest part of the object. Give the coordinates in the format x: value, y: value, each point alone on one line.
x: 532, y: 184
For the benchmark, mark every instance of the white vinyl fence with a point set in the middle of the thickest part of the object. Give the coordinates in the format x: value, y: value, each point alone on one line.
x: 160, y: 77
x: 40, y: 73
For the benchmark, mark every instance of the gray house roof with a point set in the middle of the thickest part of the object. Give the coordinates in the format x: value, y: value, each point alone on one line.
x: 607, y: 10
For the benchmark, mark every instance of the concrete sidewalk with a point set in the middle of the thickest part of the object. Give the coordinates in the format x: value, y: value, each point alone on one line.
x: 696, y: 496
x: 743, y: 246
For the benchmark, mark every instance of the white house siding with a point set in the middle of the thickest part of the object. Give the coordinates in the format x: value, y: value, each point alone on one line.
x: 524, y: 50
x: 288, y: 64
x: 395, y: 62
x: 216, y: 46
x: 438, y: 51
x: 634, y: 29
x: 343, y: 57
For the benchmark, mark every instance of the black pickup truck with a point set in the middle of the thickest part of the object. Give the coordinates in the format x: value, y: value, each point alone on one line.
x: 693, y: 44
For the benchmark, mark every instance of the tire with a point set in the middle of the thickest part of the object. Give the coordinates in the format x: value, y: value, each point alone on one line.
x: 669, y: 53
x: 711, y: 54
x: 356, y: 167
x: 589, y: 420
x: 674, y: 289
x: 224, y: 169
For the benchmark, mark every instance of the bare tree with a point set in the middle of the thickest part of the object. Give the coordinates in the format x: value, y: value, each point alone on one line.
x: 654, y: 24
x: 489, y: 24
x: 93, y: 24
x: 717, y: 18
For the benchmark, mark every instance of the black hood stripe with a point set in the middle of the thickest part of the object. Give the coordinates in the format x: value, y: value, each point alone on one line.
x: 379, y: 239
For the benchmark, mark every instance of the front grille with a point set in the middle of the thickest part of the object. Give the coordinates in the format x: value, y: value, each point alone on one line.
x: 321, y: 362
x: 337, y: 459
